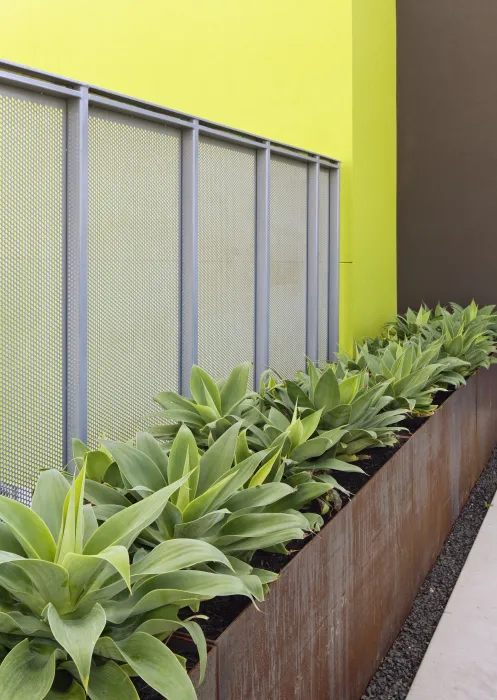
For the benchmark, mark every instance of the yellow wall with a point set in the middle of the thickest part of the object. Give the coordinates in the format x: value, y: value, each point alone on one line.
x: 373, y: 293
x: 319, y: 75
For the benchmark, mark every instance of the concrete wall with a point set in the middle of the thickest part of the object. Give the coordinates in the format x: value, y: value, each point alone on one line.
x: 447, y: 151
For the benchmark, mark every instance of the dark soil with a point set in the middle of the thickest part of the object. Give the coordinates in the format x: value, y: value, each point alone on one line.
x: 222, y: 611
x: 394, y: 678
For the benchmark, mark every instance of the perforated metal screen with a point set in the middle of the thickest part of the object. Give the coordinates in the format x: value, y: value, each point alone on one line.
x: 133, y: 271
x: 226, y: 256
x: 134, y: 242
x: 323, y: 268
x: 287, y: 265
x: 32, y: 147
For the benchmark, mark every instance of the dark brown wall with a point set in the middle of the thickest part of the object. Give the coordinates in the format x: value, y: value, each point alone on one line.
x: 447, y: 151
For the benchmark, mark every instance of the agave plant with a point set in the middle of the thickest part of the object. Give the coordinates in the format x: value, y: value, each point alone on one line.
x: 467, y: 333
x: 77, y: 617
x: 415, y: 374
x: 224, y: 501
x: 352, y: 415
x: 214, y: 407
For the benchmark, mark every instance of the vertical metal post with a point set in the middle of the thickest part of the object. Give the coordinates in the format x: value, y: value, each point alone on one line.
x: 262, y: 264
x: 312, y: 260
x: 76, y: 317
x: 189, y: 255
x: 334, y: 265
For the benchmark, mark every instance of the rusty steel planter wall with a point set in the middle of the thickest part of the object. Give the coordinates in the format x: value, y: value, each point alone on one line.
x: 339, y: 604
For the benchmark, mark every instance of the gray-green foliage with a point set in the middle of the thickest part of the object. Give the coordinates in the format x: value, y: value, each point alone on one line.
x: 467, y: 333
x: 349, y: 415
x: 224, y: 501
x: 77, y: 616
x: 213, y: 408
x: 415, y: 372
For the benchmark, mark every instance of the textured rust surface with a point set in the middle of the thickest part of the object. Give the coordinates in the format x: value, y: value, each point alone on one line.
x: 338, y: 606
x: 208, y: 689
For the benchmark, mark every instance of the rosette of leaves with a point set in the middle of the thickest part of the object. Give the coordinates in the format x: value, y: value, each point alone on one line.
x: 78, y: 618
x: 467, y: 333
x: 224, y: 500
x: 353, y: 415
x: 213, y: 408
x: 415, y: 373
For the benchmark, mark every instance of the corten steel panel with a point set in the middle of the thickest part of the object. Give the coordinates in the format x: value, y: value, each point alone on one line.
x: 447, y: 151
x: 226, y: 256
x: 209, y: 684
x: 32, y: 165
x: 133, y: 270
x: 339, y: 605
x: 487, y: 413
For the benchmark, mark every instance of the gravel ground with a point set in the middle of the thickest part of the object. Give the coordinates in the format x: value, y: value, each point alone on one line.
x: 393, y: 679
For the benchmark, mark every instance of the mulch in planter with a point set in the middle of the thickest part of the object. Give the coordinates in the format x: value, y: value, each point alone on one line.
x: 222, y: 611
x: 396, y: 674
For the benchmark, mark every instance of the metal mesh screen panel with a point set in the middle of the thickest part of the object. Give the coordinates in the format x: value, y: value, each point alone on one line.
x: 287, y: 265
x: 226, y: 256
x: 133, y: 275
x: 323, y: 252
x: 31, y: 291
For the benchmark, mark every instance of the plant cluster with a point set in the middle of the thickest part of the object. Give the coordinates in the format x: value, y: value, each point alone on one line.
x: 109, y: 562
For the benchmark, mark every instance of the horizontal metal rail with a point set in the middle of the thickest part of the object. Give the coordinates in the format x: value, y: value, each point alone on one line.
x: 47, y: 83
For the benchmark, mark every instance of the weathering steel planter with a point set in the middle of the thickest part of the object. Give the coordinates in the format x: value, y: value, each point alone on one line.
x: 339, y: 604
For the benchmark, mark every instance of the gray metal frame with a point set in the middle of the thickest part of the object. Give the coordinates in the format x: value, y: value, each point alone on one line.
x: 79, y: 98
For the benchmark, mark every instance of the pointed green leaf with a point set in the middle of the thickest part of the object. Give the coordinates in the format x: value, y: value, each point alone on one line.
x: 204, y: 389
x: 218, y: 459
x: 258, y: 496
x: 9, y: 543
x: 327, y: 392
x: 235, y: 388
x: 35, y: 582
x: 278, y: 419
x: 78, y: 636
x: 348, y: 388
x: 261, y: 474
x: 310, y: 424
x: 48, y: 498
x: 110, y: 682
x: 147, y: 444
x: 80, y: 567
x: 102, y: 495
x: 310, y: 449
x: 183, y: 459
x: 28, y: 528
x: 136, y: 467
x: 175, y: 555
x: 304, y: 494
x: 25, y: 669
x: 199, y: 528
x: 74, y: 692
x: 217, y: 494
x: 72, y: 526
x: 242, y: 450
x: 125, y: 526
x: 158, y: 666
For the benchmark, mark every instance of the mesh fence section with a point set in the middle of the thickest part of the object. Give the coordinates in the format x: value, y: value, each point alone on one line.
x: 287, y: 265
x: 226, y: 256
x: 32, y: 135
x: 323, y: 261
x: 133, y: 275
